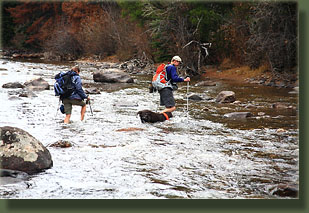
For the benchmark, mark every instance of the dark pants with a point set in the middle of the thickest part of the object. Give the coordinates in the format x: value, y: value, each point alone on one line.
x: 68, y: 104
x: 167, y: 97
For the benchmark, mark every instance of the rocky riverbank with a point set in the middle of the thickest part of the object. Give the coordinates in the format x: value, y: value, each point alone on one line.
x: 260, y: 76
x: 225, y: 71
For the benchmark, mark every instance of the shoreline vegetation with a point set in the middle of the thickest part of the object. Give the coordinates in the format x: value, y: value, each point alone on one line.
x: 257, y: 41
x: 227, y: 70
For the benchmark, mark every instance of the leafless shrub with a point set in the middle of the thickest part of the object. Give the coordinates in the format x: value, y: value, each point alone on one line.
x: 273, y: 39
x: 64, y: 45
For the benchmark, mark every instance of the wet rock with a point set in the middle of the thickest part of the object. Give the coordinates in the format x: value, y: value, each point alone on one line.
x: 206, y: 83
x: 280, y: 106
x: 226, y: 97
x: 27, y: 94
x: 12, y: 85
x: 112, y: 76
x: 61, y: 144
x: 280, y: 130
x: 238, y: 115
x: 195, y: 98
x: 13, y: 173
x: 294, y: 91
x: 37, y: 84
x: 92, y: 91
x: 21, y: 151
x: 285, y: 191
x: 14, y: 98
x: 29, y: 55
x: 8, y: 176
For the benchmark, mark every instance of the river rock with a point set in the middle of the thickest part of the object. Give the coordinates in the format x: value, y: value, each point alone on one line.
x: 226, y: 97
x: 21, y: 151
x: 13, y: 173
x: 61, y: 144
x: 112, y: 76
x: 195, y: 98
x: 37, y: 84
x: 238, y: 115
x: 29, y: 55
x: 282, y: 106
x: 27, y: 93
x: 92, y: 91
x: 8, y: 176
x: 12, y: 85
x: 284, y: 190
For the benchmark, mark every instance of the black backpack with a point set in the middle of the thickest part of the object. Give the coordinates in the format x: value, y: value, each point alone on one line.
x: 64, y: 86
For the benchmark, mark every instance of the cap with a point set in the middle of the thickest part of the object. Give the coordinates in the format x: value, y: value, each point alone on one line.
x: 176, y: 58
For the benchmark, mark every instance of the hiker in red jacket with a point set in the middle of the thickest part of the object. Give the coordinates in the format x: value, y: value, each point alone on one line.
x: 166, y: 94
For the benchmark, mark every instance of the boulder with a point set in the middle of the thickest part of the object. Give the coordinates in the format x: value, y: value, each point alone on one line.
x: 12, y: 85
x: 112, y: 76
x: 238, y: 115
x: 226, y: 97
x: 22, y: 152
x: 37, y: 84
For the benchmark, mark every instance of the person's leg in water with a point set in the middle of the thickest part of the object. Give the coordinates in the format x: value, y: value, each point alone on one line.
x: 67, y: 118
x: 169, y: 109
x: 82, y: 112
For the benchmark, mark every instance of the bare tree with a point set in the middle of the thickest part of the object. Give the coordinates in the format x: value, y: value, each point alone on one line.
x: 273, y: 37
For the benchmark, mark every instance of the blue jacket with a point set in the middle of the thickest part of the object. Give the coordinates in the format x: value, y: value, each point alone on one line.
x: 78, y: 92
x: 172, y: 75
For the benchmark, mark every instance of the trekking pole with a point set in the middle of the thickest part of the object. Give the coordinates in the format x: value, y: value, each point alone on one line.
x: 58, y: 108
x: 187, y: 101
x: 90, y: 108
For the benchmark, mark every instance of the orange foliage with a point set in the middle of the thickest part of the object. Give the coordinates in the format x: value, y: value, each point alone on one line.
x: 45, y: 17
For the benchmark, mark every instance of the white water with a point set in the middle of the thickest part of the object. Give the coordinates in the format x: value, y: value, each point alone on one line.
x: 180, y: 158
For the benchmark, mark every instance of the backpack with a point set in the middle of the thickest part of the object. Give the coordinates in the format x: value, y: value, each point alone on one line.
x: 64, y: 87
x: 159, y: 80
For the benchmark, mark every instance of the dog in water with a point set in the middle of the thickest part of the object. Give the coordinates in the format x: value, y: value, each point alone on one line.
x: 153, y: 117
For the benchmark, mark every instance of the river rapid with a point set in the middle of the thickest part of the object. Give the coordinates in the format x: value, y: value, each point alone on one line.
x: 199, y: 154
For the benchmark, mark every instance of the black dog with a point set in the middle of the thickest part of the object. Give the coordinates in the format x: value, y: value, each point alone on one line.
x: 152, y: 117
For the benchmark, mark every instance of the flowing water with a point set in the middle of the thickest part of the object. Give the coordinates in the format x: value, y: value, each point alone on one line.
x: 199, y: 154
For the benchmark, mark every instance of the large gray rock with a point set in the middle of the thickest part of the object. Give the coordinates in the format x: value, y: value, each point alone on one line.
x: 37, y: 84
x: 226, y: 97
x: 22, y: 152
x: 238, y: 115
x: 112, y: 76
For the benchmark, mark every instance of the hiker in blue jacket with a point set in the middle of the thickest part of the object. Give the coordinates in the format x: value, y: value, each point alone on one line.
x: 166, y: 94
x: 76, y: 98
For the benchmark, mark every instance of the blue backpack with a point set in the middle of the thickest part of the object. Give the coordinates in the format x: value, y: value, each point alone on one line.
x: 64, y: 87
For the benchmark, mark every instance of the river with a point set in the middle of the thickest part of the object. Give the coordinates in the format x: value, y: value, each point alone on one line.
x: 199, y: 154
